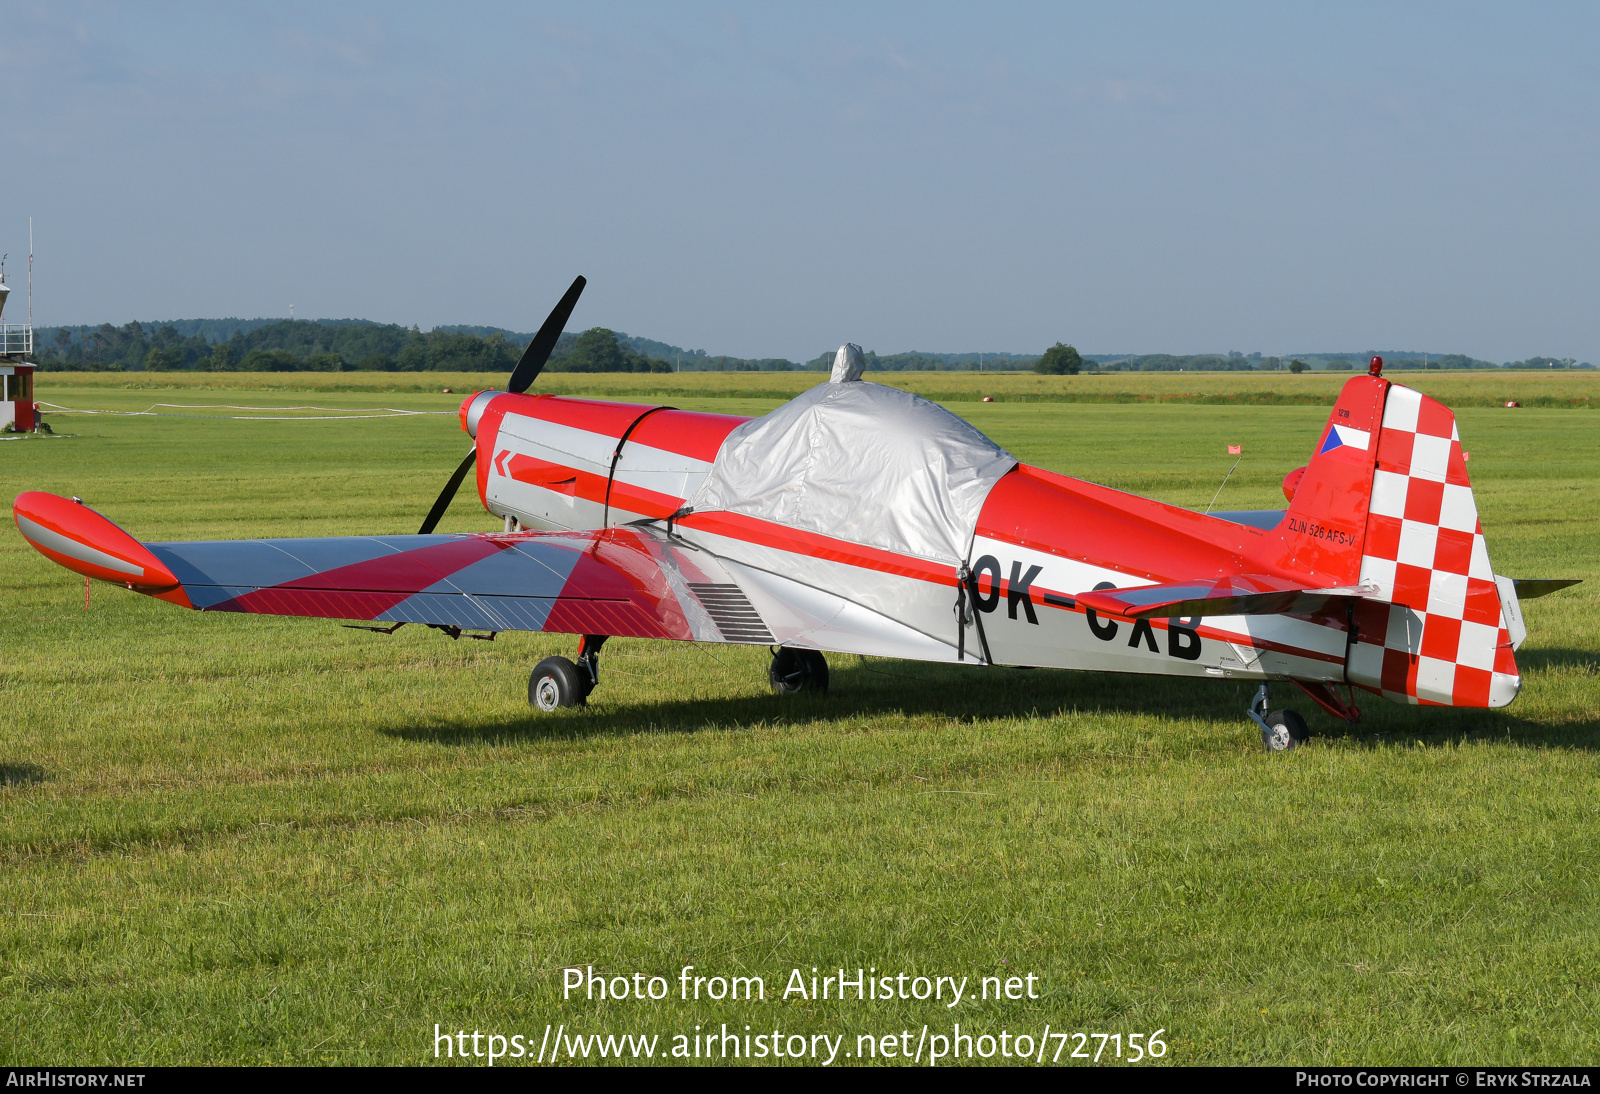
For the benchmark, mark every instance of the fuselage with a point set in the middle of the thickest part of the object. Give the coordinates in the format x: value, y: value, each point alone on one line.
x: 556, y: 464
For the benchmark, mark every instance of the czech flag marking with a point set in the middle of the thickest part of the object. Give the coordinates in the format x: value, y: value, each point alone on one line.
x: 1342, y: 435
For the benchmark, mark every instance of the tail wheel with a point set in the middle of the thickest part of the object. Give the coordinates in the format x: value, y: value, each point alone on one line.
x: 795, y: 671
x: 1285, y: 730
x: 557, y: 682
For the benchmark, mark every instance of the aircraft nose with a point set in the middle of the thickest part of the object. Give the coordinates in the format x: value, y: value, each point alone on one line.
x: 472, y: 409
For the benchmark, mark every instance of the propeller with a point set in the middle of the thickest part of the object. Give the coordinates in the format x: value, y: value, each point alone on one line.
x: 538, y: 351
x: 522, y: 377
x: 447, y: 495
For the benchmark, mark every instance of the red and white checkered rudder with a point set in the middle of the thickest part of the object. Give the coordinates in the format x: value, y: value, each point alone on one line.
x: 1431, y: 629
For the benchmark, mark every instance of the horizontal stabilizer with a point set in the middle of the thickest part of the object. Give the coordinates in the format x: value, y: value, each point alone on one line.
x: 1531, y: 588
x: 1239, y: 595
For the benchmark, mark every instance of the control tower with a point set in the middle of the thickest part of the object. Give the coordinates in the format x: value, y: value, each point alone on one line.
x: 17, y: 411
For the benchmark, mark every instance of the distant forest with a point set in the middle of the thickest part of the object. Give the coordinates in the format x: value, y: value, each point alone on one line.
x: 1309, y: 362
x: 300, y: 345
x: 358, y: 345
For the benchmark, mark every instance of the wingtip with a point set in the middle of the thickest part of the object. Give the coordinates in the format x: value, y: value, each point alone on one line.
x: 72, y: 535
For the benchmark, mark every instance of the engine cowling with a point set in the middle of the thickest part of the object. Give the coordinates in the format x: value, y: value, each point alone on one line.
x: 559, y: 464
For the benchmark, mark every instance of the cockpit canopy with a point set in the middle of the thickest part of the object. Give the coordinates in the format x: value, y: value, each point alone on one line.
x: 860, y: 462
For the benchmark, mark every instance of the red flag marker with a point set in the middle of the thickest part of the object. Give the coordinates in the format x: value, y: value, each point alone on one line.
x: 1235, y: 449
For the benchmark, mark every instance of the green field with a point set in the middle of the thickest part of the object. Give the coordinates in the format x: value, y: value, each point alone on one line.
x: 1478, y: 388
x: 241, y: 839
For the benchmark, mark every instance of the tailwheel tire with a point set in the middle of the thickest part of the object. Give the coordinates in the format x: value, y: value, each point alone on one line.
x: 1285, y: 730
x: 795, y: 671
x: 557, y: 682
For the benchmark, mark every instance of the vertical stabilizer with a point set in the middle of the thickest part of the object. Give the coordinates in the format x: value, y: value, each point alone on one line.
x: 1385, y: 504
x: 1432, y: 631
x: 1322, y: 532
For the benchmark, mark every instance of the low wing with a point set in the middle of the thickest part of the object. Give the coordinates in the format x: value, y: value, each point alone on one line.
x: 1237, y: 595
x: 625, y: 582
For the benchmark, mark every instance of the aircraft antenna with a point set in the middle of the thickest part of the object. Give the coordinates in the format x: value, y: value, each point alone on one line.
x: 1225, y: 479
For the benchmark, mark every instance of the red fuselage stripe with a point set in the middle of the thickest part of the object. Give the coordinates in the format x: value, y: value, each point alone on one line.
x: 810, y: 544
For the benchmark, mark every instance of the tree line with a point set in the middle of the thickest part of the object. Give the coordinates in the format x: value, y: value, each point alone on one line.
x: 927, y: 362
x: 353, y: 345
x: 323, y: 346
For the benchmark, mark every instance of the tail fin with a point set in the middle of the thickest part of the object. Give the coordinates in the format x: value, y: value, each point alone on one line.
x: 1322, y: 533
x: 1441, y: 637
x: 1386, y: 503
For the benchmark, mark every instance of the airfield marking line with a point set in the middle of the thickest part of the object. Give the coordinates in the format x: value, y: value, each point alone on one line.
x: 981, y: 793
x: 355, y: 409
x: 233, y: 406
x: 361, y: 412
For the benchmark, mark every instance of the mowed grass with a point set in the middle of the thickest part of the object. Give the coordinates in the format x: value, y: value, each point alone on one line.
x: 231, y: 839
x: 1475, y: 388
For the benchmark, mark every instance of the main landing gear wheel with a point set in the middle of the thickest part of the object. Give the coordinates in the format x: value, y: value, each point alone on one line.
x: 794, y: 671
x: 557, y: 682
x: 1285, y: 730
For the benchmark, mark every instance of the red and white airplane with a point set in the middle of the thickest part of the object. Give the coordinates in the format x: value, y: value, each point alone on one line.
x: 861, y: 519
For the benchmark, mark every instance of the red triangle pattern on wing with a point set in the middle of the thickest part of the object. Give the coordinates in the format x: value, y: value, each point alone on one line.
x: 365, y: 590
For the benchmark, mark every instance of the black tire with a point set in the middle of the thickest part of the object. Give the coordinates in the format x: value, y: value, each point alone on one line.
x: 556, y: 683
x: 796, y: 671
x: 1286, y: 730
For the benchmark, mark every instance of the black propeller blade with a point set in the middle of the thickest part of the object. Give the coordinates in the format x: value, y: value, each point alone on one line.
x: 538, y: 351
x: 522, y: 377
x: 448, y: 493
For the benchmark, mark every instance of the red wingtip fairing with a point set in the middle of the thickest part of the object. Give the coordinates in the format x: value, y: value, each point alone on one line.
x: 71, y: 534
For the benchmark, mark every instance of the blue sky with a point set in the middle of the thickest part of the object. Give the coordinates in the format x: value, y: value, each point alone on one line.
x: 771, y: 181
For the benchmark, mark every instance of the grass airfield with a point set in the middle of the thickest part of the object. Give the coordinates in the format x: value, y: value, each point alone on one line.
x: 237, y: 839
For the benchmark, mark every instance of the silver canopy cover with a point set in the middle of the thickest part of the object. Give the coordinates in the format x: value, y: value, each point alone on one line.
x: 860, y: 462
